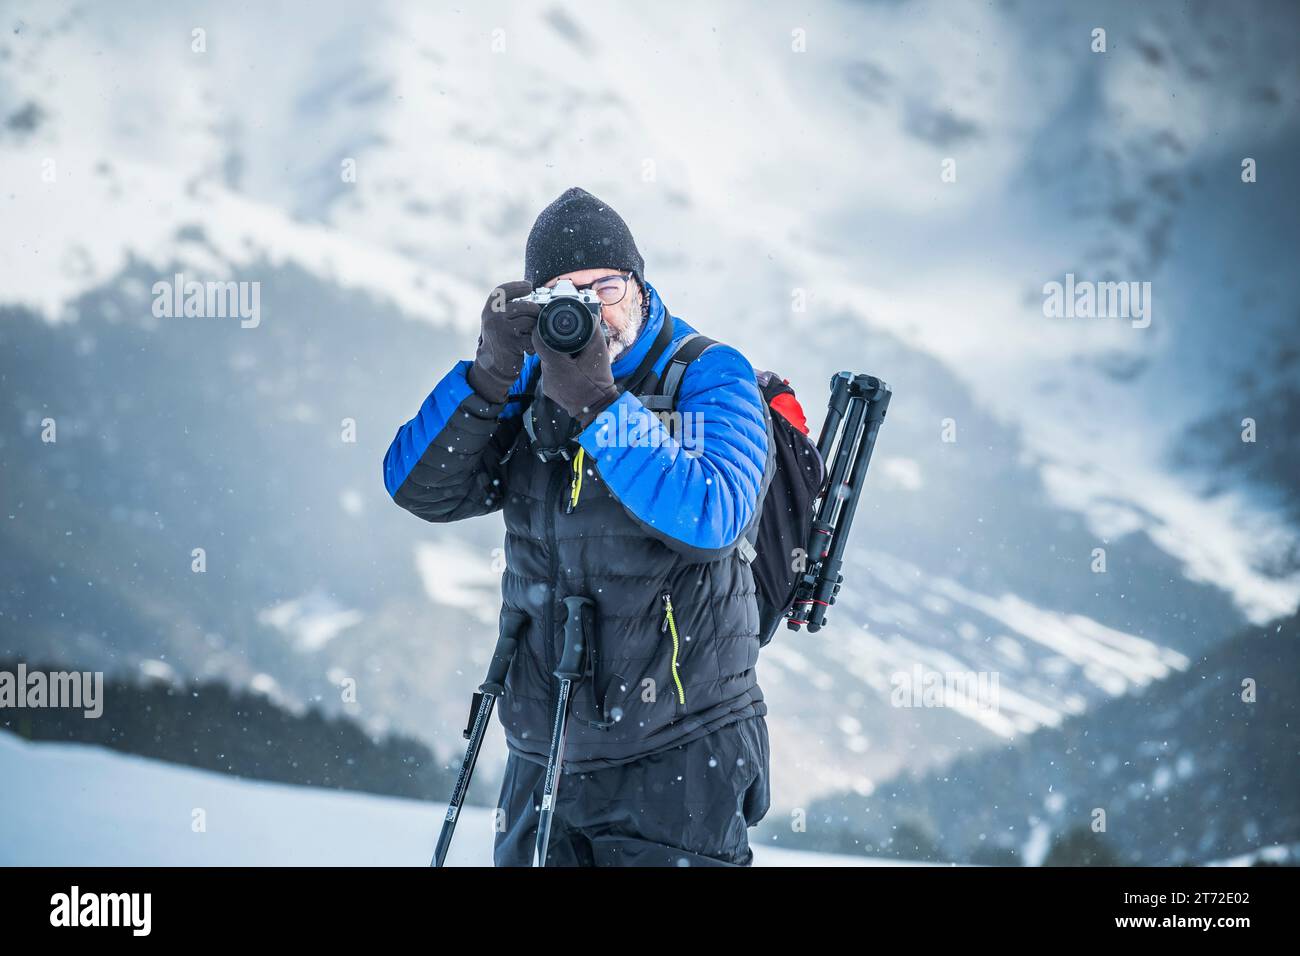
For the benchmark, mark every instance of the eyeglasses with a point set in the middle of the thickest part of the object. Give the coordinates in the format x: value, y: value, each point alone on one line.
x: 609, y: 289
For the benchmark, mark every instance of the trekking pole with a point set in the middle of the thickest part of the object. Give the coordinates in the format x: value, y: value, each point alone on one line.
x: 568, y: 671
x: 480, y: 715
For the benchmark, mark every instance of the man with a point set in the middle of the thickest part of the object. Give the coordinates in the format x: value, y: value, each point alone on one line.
x: 666, y: 760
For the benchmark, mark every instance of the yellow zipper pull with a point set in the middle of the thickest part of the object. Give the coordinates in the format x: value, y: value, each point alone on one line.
x: 671, y: 625
x: 575, y: 480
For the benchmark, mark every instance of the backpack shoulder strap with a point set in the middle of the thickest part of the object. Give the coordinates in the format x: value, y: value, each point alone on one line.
x: 664, y: 398
x: 643, y: 378
x: 664, y: 395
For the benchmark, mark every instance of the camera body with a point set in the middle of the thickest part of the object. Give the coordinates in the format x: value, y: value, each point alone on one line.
x: 569, y: 317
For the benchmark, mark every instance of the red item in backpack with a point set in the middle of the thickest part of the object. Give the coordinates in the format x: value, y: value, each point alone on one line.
x: 790, y: 409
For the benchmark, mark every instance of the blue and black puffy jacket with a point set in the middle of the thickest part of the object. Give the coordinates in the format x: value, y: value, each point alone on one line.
x: 652, y: 539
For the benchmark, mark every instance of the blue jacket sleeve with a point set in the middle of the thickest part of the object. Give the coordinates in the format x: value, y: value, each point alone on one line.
x: 696, y: 492
x: 445, y: 463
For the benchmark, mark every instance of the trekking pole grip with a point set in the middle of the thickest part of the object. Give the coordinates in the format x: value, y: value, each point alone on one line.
x: 512, y: 623
x: 577, y: 608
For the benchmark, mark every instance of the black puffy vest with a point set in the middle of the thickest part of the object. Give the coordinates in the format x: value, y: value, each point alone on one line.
x: 631, y: 702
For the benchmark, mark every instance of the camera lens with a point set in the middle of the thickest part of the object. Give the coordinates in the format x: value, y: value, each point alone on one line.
x: 565, y: 326
x: 564, y: 323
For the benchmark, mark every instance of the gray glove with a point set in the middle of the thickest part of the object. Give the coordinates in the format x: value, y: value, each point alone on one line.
x: 582, y: 384
x: 506, y: 335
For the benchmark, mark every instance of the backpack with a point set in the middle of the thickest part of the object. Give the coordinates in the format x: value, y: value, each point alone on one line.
x: 774, y: 545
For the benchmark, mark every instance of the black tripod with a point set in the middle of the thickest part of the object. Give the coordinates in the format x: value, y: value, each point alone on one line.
x: 859, y: 402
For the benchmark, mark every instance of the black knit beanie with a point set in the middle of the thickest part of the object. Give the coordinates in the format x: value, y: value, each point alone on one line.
x: 578, y: 231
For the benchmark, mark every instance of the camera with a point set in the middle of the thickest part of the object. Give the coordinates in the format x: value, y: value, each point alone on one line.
x: 568, y: 318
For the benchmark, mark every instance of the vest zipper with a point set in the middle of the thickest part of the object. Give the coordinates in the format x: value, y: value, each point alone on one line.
x: 670, y: 625
x: 552, y: 506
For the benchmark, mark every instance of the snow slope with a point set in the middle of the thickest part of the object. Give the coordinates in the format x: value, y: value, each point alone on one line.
x: 76, y: 805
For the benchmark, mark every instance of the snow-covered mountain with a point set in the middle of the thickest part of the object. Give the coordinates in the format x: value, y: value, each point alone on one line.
x: 376, y: 174
x: 1197, y: 767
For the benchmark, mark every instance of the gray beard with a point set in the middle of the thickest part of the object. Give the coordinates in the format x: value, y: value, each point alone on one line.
x: 619, y: 342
